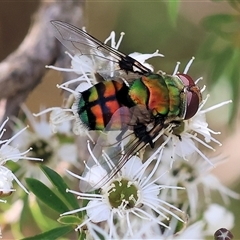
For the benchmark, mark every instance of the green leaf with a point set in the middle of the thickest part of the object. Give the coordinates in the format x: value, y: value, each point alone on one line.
x: 42, y: 220
x: 69, y: 220
x: 82, y: 235
x: 224, y: 25
x: 61, y: 186
x: 25, y: 213
x: 235, y: 84
x: 206, y: 49
x: 221, y: 62
x: 52, y: 234
x: 46, y: 195
x: 173, y: 7
x: 217, y: 20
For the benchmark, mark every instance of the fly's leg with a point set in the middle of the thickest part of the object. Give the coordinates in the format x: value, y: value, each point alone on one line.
x: 178, y: 128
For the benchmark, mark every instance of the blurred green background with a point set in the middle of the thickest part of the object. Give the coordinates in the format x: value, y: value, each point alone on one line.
x: 208, y: 30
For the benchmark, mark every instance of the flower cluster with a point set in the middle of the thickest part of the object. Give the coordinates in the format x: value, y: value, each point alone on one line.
x: 148, y: 197
x: 131, y: 194
x: 158, y: 193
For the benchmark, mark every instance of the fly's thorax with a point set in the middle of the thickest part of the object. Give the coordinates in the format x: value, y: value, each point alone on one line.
x: 152, y: 92
x: 175, y: 87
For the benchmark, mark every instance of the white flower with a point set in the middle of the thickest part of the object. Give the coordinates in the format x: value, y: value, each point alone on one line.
x: 57, y: 150
x: 184, y: 140
x: 6, y: 178
x: 86, y: 67
x: 8, y: 152
x: 132, y: 194
x: 217, y: 217
x: 141, y: 57
x: 195, y: 175
x: 59, y: 118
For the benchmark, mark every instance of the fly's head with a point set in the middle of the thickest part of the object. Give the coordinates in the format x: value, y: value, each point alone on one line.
x: 192, y: 96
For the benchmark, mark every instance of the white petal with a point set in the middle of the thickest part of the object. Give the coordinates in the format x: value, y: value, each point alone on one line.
x: 217, y: 217
x: 83, y: 86
x: 98, y: 211
x: 94, y: 176
x: 82, y: 64
x: 6, y: 178
x: 132, y: 167
x: 184, y: 147
x: 7, y: 151
x: 194, y: 231
x: 68, y: 152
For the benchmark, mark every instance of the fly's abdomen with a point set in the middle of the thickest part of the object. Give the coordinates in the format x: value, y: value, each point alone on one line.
x: 97, y: 104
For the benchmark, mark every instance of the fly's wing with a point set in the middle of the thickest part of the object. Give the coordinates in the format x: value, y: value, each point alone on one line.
x: 108, y: 150
x: 114, y: 148
x: 78, y: 42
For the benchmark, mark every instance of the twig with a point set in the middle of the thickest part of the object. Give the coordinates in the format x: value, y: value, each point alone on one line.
x: 23, y: 69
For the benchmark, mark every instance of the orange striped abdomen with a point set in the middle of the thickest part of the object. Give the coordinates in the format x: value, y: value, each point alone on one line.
x: 97, y: 104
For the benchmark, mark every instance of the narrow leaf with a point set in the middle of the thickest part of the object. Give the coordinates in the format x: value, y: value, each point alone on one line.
x: 41, y: 219
x: 223, y: 25
x: 82, y: 235
x: 69, y: 220
x: 46, y: 195
x: 61, y: 186
x: 221, y: 61
x: 173, y: 7
x: 235, y: 83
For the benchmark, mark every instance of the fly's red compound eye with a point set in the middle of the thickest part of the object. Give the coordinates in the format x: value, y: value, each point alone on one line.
x: 193, y: 95
x: 187, y: 80
x: 192, y: 104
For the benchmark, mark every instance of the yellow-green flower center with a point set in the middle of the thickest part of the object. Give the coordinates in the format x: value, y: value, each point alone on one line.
x: 123, y: 193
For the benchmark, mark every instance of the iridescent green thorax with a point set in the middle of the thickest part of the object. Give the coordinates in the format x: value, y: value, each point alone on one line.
x: 160, y: 93
x: 175, y: 87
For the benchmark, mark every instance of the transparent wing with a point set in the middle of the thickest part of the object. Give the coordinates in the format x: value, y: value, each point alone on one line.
x: 114, y: 148
x: 78, y: 42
